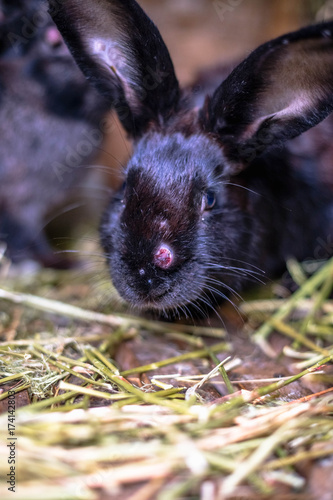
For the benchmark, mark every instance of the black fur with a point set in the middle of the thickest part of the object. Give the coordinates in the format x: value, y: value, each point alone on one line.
x: 212, y: 180
x: 46, y: 110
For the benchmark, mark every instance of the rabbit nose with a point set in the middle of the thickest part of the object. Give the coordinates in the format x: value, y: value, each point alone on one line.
x: 163, y: 257
x: 55, y: 41
x: 53, y: 37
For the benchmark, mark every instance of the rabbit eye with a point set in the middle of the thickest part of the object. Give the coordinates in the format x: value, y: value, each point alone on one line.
x: 208, y: 201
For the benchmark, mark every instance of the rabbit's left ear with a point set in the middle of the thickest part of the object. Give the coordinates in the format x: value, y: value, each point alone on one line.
x: 122, y: 53
x: 282, y: 89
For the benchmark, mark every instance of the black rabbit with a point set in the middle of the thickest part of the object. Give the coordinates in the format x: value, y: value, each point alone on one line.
x: 49, y: 127
x: 214, y: 196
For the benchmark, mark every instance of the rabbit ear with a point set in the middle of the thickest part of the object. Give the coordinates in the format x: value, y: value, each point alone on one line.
x: 282, y: 89
x: 121, y: 51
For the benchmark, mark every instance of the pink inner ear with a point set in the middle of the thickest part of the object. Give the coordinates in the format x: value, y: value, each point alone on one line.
x: 113, y: 55
x: 109, y: 52
x: 299, y: 104
x: 294, y: 84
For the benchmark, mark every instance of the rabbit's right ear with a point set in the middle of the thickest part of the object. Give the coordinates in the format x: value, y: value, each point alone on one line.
x: 122, y: 53
x: 281, y: 90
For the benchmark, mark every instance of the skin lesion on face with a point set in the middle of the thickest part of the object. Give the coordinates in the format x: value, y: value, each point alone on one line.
x: 163, y: 256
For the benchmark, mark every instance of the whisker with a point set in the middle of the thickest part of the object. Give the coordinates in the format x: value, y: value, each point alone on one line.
x: 227, y: 287
x: 249, y: 264
x: 189, y: 314
x: 240, y: 274
x: 109, y: 154
x: 121, y: 133
x: 183, y: 310
x: 242, y: 187
x: 60, y: 212
x: 83, y: 252
x: 222, y: 295
x: 201, y: 311
x: 233, y: 268
x: 210, y: 306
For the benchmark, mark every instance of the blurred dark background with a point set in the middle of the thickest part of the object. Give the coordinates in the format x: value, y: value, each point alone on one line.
x: 202, y: 32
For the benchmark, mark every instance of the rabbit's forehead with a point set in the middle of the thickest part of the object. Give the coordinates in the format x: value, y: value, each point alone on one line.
x: 169, y: 159
x: 158, y: 196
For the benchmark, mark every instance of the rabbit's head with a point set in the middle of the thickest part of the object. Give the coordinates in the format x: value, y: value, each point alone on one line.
x: 181, y: 227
